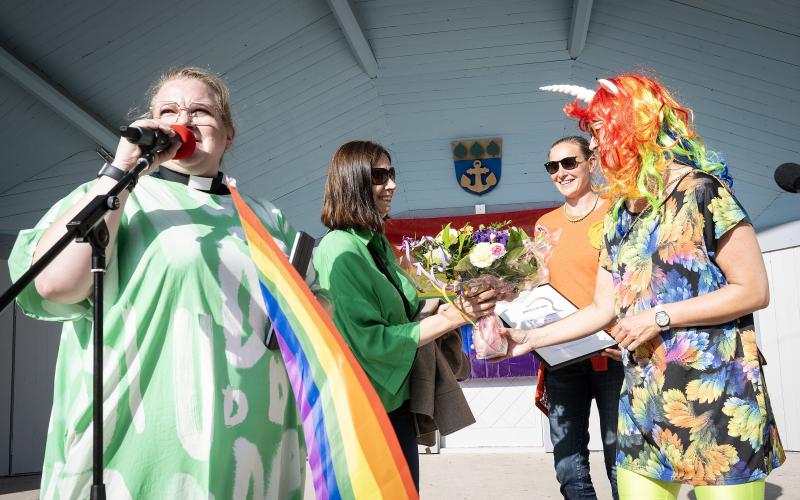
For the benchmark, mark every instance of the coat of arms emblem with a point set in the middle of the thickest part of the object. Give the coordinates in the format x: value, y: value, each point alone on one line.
x: 477, y: 164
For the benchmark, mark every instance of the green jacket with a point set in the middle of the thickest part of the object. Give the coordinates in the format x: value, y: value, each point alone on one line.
x: 368, y: 311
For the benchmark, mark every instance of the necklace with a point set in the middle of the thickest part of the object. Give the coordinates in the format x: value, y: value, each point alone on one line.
x: 564, y: 206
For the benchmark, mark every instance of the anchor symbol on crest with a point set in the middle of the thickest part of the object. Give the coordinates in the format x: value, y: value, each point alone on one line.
x: 477, y: 184
x: 477, y: 164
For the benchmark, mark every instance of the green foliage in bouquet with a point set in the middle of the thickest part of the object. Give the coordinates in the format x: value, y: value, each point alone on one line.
x: 499, y: 256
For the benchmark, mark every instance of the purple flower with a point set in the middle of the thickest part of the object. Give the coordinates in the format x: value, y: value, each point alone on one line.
x: 490, y: 236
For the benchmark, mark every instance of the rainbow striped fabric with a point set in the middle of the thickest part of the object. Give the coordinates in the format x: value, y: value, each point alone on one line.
x: 352, y: 448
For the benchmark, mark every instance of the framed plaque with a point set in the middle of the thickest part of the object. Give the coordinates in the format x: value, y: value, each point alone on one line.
x: 543, y: 305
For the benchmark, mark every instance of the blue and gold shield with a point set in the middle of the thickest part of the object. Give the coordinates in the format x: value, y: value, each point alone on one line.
x: 478, y: 164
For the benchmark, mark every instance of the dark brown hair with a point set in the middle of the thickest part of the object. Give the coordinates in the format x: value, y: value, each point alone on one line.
x: 347, y: 202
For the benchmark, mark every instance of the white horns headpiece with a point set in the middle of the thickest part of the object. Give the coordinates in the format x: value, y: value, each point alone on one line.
x: 609, y: 85
x: 582, y: 93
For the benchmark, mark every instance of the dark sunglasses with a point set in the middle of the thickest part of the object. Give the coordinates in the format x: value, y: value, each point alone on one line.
x: 381, y: 176
x: 568, y: 163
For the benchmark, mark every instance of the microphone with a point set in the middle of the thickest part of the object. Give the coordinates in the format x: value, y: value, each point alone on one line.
x: 787, y: 176
x: 155, y: 140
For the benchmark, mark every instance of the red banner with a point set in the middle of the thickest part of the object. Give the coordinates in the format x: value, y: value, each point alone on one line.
x: 395, y: 229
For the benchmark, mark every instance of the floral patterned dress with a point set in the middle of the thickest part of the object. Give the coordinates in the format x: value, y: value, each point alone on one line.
x: 694, y: 406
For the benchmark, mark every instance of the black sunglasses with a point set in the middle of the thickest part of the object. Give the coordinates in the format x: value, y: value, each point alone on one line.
x: 568, y: 163
x: 381, y: 176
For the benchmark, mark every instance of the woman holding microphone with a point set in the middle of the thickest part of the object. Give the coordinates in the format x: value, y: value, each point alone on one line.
x: 195, y: 405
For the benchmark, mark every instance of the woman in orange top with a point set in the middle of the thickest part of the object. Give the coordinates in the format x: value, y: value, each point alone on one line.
x: 575, y: 230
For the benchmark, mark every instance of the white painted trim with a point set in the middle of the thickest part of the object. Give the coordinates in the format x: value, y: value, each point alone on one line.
x: 779, y: 237
x: 346, y: 18
x: 579, y: 27
x: 57, y: 99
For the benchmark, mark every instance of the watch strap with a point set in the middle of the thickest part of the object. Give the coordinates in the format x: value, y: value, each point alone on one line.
x: 115, y: 173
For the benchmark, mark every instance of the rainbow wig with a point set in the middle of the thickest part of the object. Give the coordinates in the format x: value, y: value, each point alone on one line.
x: 643, y: 130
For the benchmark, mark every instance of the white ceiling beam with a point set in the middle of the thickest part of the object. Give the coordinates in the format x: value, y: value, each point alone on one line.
x: 346, y: 18
x: 57, y: 98
x: 581, y: 12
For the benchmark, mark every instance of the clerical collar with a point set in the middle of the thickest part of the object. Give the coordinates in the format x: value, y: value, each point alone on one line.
x: 212, y: 185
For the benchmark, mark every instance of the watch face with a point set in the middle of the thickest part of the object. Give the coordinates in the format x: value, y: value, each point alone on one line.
x: 662, y: 318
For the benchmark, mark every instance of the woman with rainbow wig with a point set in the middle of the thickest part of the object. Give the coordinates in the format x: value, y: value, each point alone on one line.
x: 681, y: 271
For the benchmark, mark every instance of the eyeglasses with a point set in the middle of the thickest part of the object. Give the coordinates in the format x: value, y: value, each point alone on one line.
x: 381, y: 176
x: 568, y: 163
x: 199, y: 115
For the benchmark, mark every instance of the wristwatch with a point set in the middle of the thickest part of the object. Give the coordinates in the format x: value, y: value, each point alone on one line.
x: 115, y: 173
x: 662, y: 318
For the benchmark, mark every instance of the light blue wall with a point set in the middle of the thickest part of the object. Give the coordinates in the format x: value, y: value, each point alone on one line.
x: 448, y: 69
x: 742, y: 79
x: 456, y: 69
x: 39, y: 154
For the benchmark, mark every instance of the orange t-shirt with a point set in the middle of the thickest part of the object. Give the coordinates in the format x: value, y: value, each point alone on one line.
x: 574, y: 258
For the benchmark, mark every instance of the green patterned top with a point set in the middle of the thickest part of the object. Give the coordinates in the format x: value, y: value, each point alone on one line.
x: 694, y: 406
x: 195, y: 405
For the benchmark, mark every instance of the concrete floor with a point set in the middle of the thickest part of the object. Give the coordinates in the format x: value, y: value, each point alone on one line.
x: 464, y: 475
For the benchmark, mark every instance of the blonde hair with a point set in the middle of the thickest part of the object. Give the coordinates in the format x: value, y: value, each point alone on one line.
x: 222, y: 96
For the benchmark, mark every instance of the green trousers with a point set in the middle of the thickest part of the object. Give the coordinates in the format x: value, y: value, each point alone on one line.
x: 633, y: 486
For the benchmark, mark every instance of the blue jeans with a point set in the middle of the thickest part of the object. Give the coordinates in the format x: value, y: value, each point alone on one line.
x: 569, y: 395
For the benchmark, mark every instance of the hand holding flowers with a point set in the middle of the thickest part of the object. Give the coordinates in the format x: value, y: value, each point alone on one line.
x: 469, y: 309
x: 469, y: 263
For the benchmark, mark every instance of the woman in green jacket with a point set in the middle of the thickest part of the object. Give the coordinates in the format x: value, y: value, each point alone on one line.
x: 374, y: 302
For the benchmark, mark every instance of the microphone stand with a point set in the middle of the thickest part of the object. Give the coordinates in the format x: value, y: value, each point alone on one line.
x: 88, y: 226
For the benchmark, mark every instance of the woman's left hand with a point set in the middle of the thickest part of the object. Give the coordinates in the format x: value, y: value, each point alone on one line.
x: 633, y: 331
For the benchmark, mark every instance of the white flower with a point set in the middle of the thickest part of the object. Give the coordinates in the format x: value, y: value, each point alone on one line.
x: 435, y: 255
x: 440, y: 237
x: 481, y: 255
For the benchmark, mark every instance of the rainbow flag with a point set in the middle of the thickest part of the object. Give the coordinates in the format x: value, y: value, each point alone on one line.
x: 352, y: 448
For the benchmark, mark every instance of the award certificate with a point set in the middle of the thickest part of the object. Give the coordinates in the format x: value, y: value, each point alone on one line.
x: 543, y: 305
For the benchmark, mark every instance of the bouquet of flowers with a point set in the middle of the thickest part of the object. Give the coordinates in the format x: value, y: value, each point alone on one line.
x: 465, y: 260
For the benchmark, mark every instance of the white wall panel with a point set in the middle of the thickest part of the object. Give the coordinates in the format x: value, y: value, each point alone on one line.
x: 506, y: 416
x: 779, y: 337
x: 504, y: 412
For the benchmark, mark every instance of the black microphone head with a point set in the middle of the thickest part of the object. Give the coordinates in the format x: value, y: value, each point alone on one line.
x: 787, y: 176
x: 147, y: 138
x: 131, y: 133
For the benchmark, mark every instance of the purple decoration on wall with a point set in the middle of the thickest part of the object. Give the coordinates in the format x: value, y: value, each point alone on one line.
x: 522, y: 366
